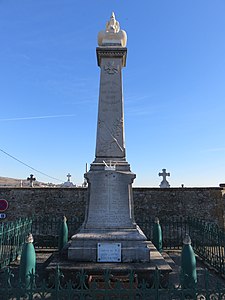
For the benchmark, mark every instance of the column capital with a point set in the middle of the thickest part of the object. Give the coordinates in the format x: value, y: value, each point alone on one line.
x: 111, y: 52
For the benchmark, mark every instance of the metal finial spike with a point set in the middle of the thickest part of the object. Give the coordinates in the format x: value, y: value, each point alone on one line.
x: 29, y: 238
x: 187, y: 240
x: 157, y: 220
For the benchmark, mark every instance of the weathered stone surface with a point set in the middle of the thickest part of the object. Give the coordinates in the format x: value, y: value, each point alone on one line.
x: 84, y: 247
x: 109, y: 203
x: 202, y: 203
x: 110, y: 129
x: 28, y: 202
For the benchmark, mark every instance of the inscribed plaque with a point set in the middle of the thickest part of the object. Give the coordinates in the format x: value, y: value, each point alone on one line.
x: 109, y: 252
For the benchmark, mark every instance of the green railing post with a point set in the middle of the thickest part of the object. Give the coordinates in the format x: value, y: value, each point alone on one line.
x: 28, y: 261
x: 63, y: 234
x: 188, y: 264
x: 157, y: 235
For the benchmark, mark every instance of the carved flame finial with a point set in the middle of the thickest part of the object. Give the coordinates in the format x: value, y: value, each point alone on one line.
x: 112, y: 25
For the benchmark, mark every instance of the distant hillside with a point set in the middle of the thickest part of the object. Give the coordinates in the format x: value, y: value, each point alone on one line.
x: 6, y: 181
x: 13, y: 182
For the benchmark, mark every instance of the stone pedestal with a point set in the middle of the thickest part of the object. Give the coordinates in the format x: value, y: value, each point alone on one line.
x: 164, y: 184
x: 110, y: 200
x: 109, y: 219
x: 144, y: 271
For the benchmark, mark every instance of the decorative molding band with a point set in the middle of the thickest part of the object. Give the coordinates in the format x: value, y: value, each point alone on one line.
x: 103, y: 52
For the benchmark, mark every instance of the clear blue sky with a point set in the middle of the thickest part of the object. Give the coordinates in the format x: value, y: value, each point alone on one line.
x: 174, y: 88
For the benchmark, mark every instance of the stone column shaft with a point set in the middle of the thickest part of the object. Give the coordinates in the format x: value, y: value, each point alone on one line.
x: 110, y: 143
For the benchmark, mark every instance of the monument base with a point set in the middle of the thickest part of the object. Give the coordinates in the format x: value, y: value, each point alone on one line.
x: 132, y: 243
x: 144, y: 271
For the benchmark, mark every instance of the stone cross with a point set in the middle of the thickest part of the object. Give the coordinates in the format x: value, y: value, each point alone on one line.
x: 164, y: 183
x: 68, y: 176
x: 31, y: 179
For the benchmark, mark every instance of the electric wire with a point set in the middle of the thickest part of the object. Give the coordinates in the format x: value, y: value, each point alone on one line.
x: 23, y: 163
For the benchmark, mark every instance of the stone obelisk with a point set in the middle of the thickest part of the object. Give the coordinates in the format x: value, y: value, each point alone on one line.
x: 109, y: 232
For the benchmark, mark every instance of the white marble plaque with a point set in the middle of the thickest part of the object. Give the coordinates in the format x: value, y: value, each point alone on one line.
x: 109, y: 252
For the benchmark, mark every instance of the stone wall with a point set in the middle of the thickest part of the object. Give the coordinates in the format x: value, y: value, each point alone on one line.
x: 204, y: 203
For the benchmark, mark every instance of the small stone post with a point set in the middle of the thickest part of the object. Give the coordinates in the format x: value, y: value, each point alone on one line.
x: 157, y: 235
x: 188, y: 264
x: 63, y: 234
x: 28, y: 260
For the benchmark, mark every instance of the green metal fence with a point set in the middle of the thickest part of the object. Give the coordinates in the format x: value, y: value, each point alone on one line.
x: 109, y: 286
x: 208, y: 240
x: 45, y: 230
x: 12, y: 237
x: 174, y: 230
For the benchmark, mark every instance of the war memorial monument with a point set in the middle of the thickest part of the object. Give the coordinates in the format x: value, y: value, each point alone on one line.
x: 109, y: 232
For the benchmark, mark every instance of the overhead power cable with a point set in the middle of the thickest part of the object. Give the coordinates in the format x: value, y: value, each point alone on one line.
x: 13, y: 157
